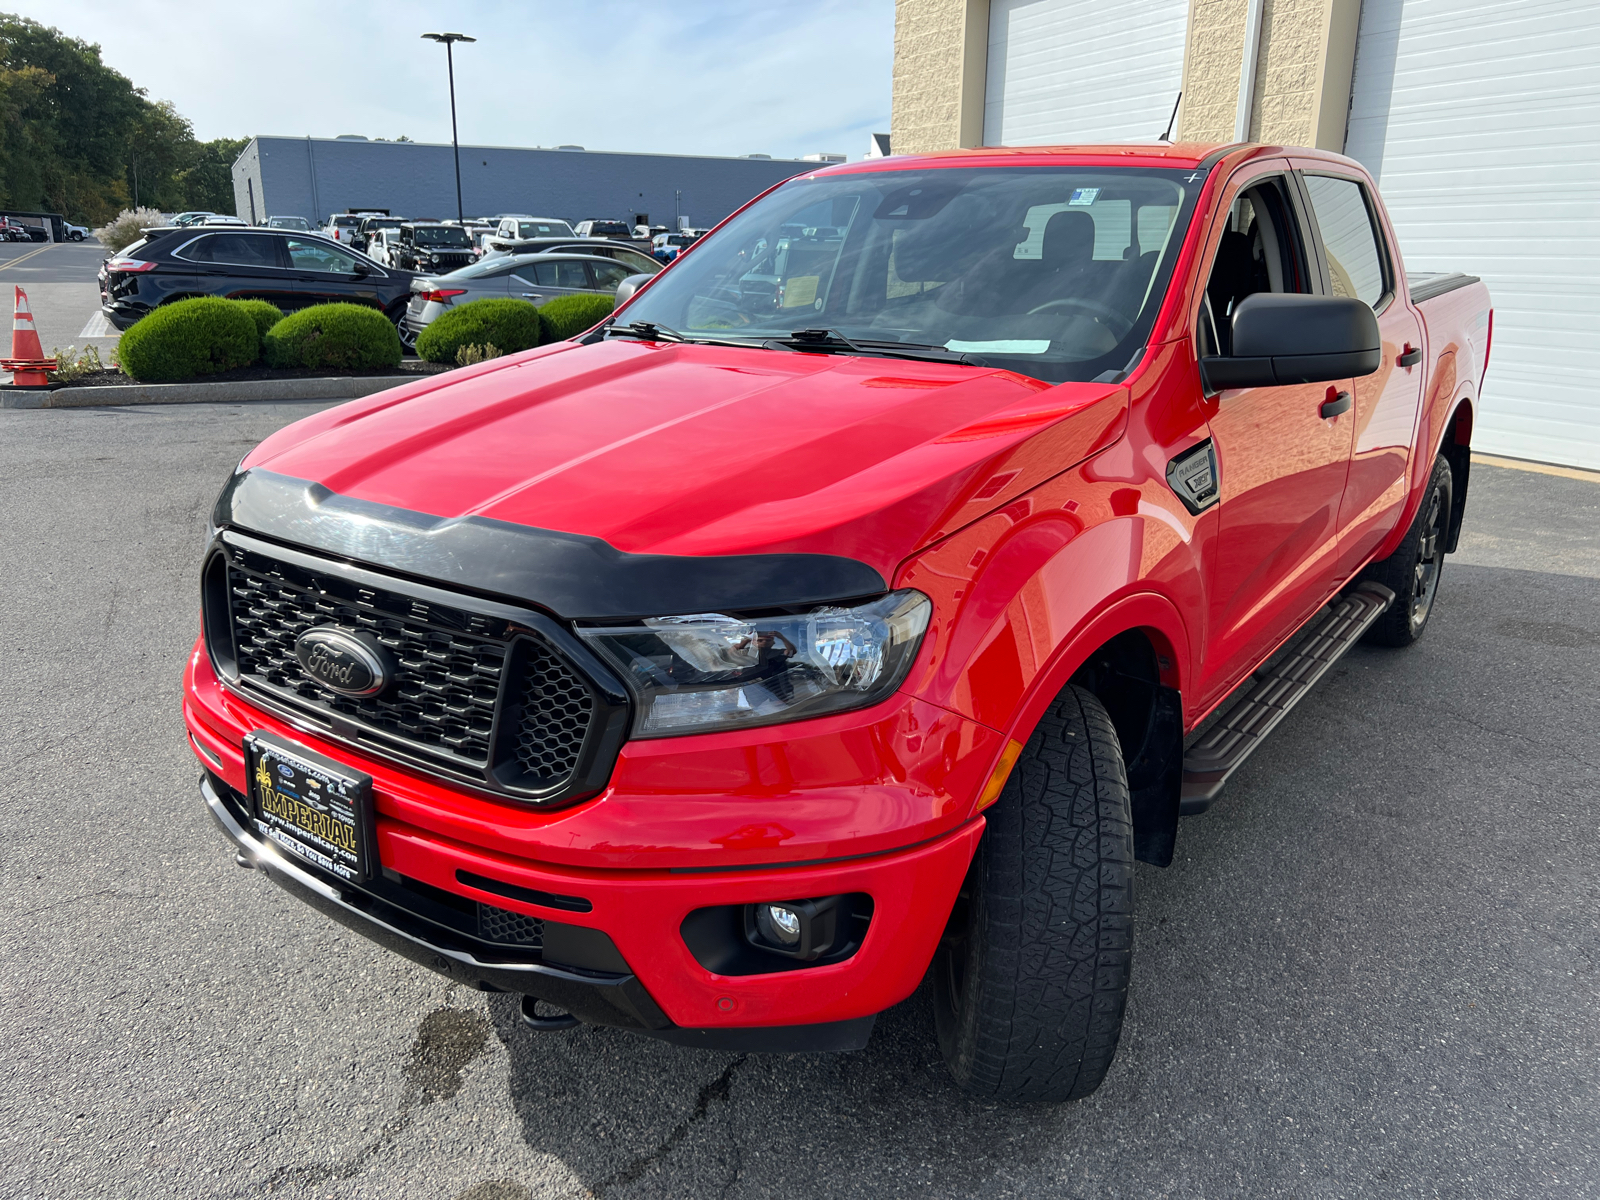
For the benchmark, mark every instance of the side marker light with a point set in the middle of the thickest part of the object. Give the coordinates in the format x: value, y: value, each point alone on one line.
x: 1002, y: 772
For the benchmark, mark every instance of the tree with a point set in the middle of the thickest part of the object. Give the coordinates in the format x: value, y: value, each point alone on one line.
x: 208, y: 181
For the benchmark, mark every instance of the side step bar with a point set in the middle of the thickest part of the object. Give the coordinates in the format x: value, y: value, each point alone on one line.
x: 1269, y: 695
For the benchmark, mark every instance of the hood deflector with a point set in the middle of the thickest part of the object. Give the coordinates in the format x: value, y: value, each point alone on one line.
x: 569, y: 574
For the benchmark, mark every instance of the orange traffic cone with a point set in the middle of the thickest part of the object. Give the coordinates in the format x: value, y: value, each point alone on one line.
x: 27, y: 362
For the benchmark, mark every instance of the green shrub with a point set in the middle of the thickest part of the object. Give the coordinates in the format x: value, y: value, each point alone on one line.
x: 265, y: 315
x: 337, y: 337
x: 512, y: 325
x: 178, y: 341
x: 568, y: 316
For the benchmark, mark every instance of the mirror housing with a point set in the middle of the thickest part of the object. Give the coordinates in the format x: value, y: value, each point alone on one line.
x: 1283, y: 337
x: 629, y: 286
x: 361, y: 271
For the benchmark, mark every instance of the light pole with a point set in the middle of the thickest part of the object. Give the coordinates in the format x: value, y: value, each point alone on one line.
x: 449, y: 40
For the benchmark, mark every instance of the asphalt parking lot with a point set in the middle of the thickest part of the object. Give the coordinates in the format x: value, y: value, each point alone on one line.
x: 1372, y: 970
x: 60, y: 281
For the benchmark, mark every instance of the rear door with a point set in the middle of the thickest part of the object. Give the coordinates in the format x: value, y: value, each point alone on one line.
x: 1281, y: 464
x: 240, y: 266
x: 1356, y: 262
x: 547, y: 279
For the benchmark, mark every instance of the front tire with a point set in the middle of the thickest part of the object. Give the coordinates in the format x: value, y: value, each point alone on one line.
x: 1031, y: 978
x: 1412, y: 571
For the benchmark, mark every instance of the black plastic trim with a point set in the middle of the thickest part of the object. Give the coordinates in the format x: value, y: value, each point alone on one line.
x: 512, y: 891
x: 1428, y: 286
x: 571, y: 575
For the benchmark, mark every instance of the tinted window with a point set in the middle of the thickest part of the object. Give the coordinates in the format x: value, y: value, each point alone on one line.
x: 1354, y: 265
x: 441, y: 235
x: 235, y: 249
x: 530, y: 229
x: 560, y: 274
x: 608, y: 275
x: 314, y: 256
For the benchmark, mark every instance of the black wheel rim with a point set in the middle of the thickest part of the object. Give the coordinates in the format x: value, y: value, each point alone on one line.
x: 1430, y: 556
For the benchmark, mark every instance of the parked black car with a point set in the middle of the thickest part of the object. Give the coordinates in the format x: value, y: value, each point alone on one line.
x: 432, y: 247
x: 369, y: 226
x: 291, y: 270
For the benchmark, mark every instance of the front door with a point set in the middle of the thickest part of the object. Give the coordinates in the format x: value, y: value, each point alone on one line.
x: 1386, y: 402
x: 1281, y: 464
x: 326, y: 275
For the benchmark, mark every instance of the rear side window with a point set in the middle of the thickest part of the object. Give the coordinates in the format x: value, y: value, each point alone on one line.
x: 608, y: 275
x: 1355, y: 262
x: 561, y: 274
x: 234, y: 249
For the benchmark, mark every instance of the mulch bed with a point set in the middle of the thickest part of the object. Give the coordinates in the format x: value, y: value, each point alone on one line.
x: 409, y: 369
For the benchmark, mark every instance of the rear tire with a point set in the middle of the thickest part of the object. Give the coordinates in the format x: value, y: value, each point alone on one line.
x: 1031, y: 977
x: 1412, y: 571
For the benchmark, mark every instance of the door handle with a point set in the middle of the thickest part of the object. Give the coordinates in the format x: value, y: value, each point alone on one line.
x: 533, y: 295
x: 1336, y: 403
x: 1408, y: 357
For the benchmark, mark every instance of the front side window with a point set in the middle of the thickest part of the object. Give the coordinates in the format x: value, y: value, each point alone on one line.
x: 234, y: 249
x: 608, y: 274
x: 1258, y: 251
x: 314, y: 256
x: 1056, y: 273
x: 1355, y: 263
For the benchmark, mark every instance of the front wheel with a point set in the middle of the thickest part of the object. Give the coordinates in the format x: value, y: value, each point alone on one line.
x: 1412, y: 571
x: 1031, y: 977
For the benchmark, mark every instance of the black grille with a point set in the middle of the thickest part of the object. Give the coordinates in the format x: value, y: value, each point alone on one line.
x: 455, y: 666
x: 509, y: 928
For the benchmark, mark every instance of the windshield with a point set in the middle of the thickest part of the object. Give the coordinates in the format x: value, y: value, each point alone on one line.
x: 441, y: 235
x: 1056, y: 273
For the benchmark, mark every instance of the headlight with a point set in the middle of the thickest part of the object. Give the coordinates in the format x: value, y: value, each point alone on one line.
x: 710, y: 671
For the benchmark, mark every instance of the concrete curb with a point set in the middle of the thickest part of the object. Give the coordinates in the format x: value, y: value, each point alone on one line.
x: 230, y: 392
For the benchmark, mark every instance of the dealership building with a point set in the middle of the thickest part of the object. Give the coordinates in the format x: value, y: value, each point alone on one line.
x: 315, y: 177
x: 1480, y: 120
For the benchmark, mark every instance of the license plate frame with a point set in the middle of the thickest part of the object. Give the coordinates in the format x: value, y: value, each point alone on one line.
x: 318, y: 810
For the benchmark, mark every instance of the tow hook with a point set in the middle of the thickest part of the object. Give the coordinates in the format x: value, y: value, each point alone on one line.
x: 243, y: 860
x: 532, y: 1019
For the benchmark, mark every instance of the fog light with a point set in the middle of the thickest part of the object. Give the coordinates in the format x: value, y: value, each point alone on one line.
x: 778, y: 924
x: 804, y: 929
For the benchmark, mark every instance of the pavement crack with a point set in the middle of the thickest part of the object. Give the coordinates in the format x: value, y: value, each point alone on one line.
x: 717, y: 1089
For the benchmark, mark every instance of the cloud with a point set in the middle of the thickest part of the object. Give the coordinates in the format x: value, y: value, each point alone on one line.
x: 716, y: 77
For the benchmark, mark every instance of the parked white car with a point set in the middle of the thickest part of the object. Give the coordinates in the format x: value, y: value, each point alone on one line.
x: 379, y: 243
x: 73, y: 233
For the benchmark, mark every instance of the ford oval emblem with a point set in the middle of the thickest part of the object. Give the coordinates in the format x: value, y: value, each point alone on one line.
x: 352, y: 664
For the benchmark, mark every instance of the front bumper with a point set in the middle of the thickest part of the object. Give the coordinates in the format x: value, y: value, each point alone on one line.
x: 631, y: 854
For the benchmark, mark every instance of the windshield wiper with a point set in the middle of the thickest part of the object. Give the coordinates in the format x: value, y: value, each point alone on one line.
x: 832, y: 340
x: 648, y: 330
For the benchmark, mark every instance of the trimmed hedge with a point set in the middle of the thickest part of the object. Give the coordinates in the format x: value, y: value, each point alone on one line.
x: 339, y: 337
x: 567, y: 316
x: 511, y: 325
x: 265, y: 315
x: 199, y: 336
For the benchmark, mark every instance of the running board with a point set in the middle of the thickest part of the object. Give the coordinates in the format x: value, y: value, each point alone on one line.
x: 1272, y: 692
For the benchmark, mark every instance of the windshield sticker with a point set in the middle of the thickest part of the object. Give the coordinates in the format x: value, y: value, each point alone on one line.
x: 800, y: 290
x: 1084, y: 196
x: 1004, y: 346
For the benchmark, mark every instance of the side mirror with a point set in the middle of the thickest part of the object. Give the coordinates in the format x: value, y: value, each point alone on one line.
x: 1282, y: 338
x: 630, y: 285
x: 361, y: 271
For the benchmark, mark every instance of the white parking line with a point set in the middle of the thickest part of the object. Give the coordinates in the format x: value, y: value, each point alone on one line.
x: 98, y: 327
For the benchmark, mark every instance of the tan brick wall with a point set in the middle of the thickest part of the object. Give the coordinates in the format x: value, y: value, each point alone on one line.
x: 1211, y: 63
x: 940, y: 49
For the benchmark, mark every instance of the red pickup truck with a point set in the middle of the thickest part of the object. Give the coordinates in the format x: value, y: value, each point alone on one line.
x: 854, y: 606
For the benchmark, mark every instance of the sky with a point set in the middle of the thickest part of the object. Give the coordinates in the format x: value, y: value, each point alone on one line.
x: 778, y: 77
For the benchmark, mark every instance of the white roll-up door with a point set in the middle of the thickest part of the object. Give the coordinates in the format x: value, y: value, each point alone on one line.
x: 1082, y: 70
x: 1481, y: 120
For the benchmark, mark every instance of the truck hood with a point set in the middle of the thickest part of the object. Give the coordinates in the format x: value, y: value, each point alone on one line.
x: 648, y: 449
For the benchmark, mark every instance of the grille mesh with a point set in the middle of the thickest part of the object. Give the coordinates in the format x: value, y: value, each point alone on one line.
x: 451, y: 662
x: 555, y: 709
x: 509, y: 928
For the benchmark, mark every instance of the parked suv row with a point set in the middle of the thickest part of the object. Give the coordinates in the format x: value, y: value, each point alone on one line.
x: 291, y: 270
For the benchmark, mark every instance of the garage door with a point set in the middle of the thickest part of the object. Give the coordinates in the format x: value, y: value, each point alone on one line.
x: 1481, y: 119
x: 1082, y: 70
